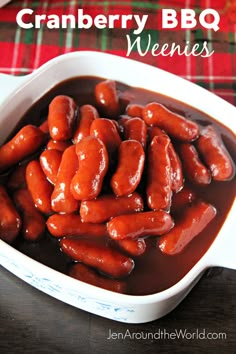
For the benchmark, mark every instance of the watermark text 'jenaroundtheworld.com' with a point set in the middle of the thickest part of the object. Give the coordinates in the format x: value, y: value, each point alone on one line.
x: 163, y: 334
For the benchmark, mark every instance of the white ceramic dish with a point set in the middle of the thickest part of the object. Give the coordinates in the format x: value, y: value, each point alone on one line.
x: 19, y: 93
x: 4, y: 2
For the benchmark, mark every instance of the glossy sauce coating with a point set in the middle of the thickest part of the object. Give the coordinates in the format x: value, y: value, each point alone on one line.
x: 159, y: 183
x: 135, y: 110
x: 107, y: 206
x: 60, y: 225
x: 40, y: 188
x: 87, y: 114
x: 173, y: 124
x: 24, y: 143
x: 106, y: 130
x: 89, y: 275
x: 92, y: 168
x: 182, y: 199
x: 215, y: 154
x: 130, y: 167
x: 132, y: 247
x: 10, y: 220
x: 107, y: 98
x: 195, y: 170
x: 61, y: 117
x: 58, y: 145
x: 17, y: 178
x: 33, y: 222
x: 107, y: 260
x: 177, y: 178
x: 149, y: 223
x: 153, y: 271
x: 136, y: 129
x: 50, y: 160
x: 62, y: 200
x: 193, y: 220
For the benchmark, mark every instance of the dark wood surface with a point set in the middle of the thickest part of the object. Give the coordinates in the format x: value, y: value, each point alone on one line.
x: 33, y: 322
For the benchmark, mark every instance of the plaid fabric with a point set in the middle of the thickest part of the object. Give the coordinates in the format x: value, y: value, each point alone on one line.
x: 22, y: 51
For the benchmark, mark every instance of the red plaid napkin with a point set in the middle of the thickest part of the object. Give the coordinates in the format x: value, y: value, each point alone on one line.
x: 23, y: 50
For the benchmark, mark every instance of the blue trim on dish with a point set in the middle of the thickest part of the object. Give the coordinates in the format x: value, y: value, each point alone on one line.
x: 66, y: 294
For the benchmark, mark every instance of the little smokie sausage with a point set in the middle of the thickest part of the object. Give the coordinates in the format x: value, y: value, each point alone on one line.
x: 193, y: 220
x: 132, y: 247
x: 195, y: 170
x: 121, y: 124
x: 129, y: 170
x: 135, y: 129
x: 98, y: 256
x: 62, y: 200
x: 153, y: 130
x: 50, y: 161
x: 106, y: 130
x: 44, y: 127
x: 182, y: 200
x: 159, y: 182
x: 93, y: 165
x: 10, y: 221
x: 60, y: 225
x: 215, y: 154
x: 105, y: 207
x: 38, y: 185
x: 107, y: 98
x: 58, y: 145
x: 33, y: 223
x: 88, y: 275
x: 177, y: 178
x: 17, y: 180
x: 62, y: 117
x: 87, y: 114
x: 174, y: 124
x: 148, y: 223
x: 27, y: 141
x: 135, y: 110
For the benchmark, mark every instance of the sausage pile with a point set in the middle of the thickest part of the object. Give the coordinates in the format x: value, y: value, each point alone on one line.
x: 103, y: 179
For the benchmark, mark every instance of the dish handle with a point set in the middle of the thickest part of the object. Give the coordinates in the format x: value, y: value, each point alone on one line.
x: 9, y: 84
x: 222, y: 251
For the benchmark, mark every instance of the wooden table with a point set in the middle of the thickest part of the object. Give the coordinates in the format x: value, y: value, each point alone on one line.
x: 33, y: 322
